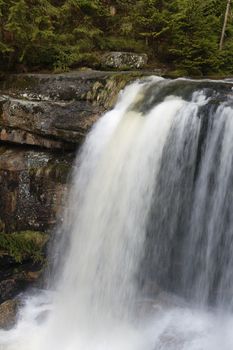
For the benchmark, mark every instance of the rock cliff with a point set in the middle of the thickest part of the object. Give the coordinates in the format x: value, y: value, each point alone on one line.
x: 43, y: 120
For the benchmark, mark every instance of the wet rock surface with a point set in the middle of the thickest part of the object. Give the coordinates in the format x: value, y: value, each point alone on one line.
x: 43, y: 120
x: 22, y: 260
x: 46, y: 124
x: 32, y: 185
x: 56, y: 111
x: 8, y: 313
x: 18, y: 277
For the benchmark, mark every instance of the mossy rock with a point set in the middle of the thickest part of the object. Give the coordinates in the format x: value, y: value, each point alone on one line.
x: 105, y: 93
x: 23, y: 245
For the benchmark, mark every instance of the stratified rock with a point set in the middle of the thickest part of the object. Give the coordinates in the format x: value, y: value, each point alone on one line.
x: 46, y: 124
x: 53, y: 113
x: 124, y: 60
x: 72, y: 86
x: 43, y: 119
x: 8, y: 313
x: 56, y: 111
x: 23, y: 137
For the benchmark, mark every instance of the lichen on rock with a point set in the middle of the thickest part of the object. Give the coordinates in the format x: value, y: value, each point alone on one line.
x: 124, y: 60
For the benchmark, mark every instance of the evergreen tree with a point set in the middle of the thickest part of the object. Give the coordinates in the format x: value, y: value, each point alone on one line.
x: 183, y: 34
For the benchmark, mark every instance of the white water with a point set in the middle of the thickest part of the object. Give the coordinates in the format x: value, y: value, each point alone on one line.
x: 97, y: 303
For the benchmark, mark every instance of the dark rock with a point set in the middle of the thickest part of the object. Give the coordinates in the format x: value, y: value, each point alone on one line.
x: 8, y: 313
x: 20, y: 276
x: 9, y: 288
x: 32, y: 186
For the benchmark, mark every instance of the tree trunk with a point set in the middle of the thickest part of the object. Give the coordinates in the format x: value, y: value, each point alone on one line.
x: 225, y: 24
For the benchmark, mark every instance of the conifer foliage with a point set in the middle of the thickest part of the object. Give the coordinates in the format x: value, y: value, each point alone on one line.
x: 58, y: 34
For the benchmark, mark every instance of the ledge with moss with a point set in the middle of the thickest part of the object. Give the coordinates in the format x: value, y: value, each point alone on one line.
x: 22, y: 261
x: 21, y: 246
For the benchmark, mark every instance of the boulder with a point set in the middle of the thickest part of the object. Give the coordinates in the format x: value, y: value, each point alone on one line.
x: 8, y: 313
x: 124, y: 60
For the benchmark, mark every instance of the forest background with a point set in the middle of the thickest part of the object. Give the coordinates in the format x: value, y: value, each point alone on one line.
x: 181, y: 35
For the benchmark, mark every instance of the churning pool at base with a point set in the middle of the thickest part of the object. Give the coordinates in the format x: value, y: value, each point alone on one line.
x: 166, y: 327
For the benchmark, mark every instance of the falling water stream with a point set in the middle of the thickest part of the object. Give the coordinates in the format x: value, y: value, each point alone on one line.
x: 144, y: 259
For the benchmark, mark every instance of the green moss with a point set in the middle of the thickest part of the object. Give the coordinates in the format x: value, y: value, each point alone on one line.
x: 127, y: 77
x: 107, y: 94
x: 23, y: 245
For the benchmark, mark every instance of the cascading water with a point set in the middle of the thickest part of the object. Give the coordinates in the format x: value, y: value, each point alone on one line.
x: 146, y: 254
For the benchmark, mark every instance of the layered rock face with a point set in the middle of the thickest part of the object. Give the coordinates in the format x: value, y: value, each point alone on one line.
x: 43, y: 120
x: 55, y: 111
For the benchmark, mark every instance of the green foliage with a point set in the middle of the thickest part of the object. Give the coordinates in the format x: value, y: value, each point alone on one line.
x: 185, y: 33
x: 47, y: 33
x: 23, y: 245
x: 60, y: 34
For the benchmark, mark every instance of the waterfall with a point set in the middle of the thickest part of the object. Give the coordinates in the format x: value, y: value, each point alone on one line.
x: 145, y: 261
